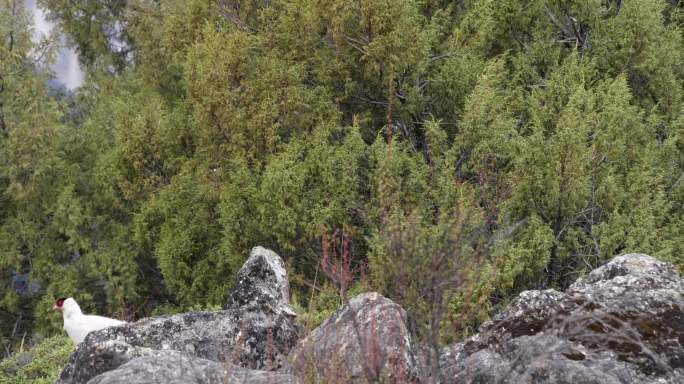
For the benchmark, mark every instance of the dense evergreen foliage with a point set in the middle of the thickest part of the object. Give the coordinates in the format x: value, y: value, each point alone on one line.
x: 446, y: 153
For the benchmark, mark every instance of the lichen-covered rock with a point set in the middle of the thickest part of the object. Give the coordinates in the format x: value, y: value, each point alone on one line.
x: 91, y: 359
x: 622, y: 323
x: 262, y: 284
x: 256, y: 330
x: 366, y: 341
x: 171, y: 367
x: 646, y: 282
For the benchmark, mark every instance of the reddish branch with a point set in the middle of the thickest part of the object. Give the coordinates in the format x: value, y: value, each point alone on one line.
x: 337, y: 266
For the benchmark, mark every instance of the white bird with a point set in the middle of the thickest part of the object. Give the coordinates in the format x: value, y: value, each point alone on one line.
x: 76, y: 324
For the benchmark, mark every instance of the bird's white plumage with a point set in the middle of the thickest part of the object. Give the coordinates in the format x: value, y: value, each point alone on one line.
x: 78, y: 326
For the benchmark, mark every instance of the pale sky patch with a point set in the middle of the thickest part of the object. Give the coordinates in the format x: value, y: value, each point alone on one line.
x: 66, y: 67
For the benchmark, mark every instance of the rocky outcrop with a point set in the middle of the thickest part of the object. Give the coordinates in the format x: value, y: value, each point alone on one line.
x: 366, y: 341
x: 256, y: 330
x: 622, y: 323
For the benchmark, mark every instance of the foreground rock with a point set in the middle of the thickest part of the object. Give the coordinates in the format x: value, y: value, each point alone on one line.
x: 366, y: 341
x: 176, y: 368
x: 256, y: 330
x: 622, y: 323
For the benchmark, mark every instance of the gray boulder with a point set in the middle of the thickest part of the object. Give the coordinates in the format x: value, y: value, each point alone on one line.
x: 91, y: 359
x: 622, y: 323
x: 256, y: 330
x: 262, y: 284
x: 366, y: 341
x: 173, y: 367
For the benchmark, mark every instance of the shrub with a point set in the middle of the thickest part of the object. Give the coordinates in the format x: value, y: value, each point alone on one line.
x: 39, y: 364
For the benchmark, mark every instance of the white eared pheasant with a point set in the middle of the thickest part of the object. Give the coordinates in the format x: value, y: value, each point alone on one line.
x: 76, y: 324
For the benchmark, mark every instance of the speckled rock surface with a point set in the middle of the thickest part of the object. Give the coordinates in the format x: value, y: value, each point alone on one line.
x: 256, y: 330
x: 262, y: 284
x: 171, y: 367
x: 366, y: 341
x: 91, y: 359
x: 622, y: 323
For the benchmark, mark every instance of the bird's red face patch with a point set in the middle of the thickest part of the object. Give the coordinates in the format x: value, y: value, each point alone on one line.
x: 59, y: 304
